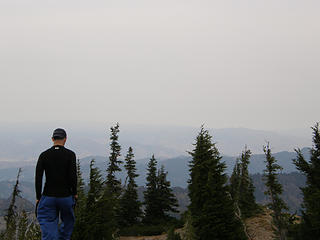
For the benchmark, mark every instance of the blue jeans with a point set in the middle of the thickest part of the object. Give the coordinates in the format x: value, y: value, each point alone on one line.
x: 48, y: 216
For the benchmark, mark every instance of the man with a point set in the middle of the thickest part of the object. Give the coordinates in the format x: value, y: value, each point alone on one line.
x: 60, y: 189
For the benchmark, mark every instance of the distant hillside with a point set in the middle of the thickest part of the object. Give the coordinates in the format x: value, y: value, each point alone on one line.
x: 178, y: 169
x: 292, y: 194
x: 21, y: 203
x: 291, y: 191
x: 27, y: 190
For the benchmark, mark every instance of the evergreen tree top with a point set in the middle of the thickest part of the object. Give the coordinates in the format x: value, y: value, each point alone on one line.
x: 211, y: 207
x: 272, y: 166
x: 245, y: 157
x: 274, y: 191
x: 114, y: 145
x: 203, y: 143
x: 112, y: 183
x: 130, y: 163
x: 152, y: 172
x: 130, y: 166
x: 311, y: 192
x: 311, y: 168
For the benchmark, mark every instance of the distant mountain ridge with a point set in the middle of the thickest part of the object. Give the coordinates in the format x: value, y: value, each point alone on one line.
x: 18, y: 143
x: 21, y: 204
x: 178, y: 169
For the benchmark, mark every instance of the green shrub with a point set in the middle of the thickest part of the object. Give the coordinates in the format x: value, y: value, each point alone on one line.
x: 143, y: 230
x: 172, y: 235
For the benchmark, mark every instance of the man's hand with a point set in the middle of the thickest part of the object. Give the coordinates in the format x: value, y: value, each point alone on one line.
x: 36, y: 208
x: 75, y: 201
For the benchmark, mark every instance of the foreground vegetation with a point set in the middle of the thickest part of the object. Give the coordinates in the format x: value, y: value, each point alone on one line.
x: 220, y: 208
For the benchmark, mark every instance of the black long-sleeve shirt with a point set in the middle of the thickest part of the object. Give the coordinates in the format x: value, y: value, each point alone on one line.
x: 59, y: 165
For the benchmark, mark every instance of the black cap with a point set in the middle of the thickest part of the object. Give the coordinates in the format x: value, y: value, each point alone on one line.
x: 59, y: 133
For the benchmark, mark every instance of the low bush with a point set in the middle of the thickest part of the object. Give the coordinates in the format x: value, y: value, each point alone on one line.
x: 171, y: 235
x: 143, y: 230
x: 151, y: 230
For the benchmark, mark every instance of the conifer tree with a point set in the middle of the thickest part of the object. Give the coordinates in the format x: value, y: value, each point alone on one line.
x: 151, y: 196
x: 247, y: 201
x: 211, y: 207
x: 274, y: 191
x: 110, y: 201
x: 130, y: 205
x: 159, y: 199
x: 11, y: 217
x: 188, y: 232
x: 114, y: 184
x: 23, y: 226
x: 80, y: 222
x: 241, y: 186
x: 167, y: 200
x: 235, y: 182
x: 107, y: 218
x: 310, y: 227
x: 92, y: 230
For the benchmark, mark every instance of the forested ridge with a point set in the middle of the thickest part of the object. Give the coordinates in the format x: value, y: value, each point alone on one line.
x: 219, y: 206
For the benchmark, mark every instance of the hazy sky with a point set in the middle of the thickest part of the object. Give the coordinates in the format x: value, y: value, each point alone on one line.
x: 228, y: 63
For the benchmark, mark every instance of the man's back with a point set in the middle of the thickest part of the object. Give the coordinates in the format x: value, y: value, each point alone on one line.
x: 59, y: 165
x: 60, y: 191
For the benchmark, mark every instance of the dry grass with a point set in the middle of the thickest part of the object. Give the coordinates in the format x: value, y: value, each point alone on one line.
x: 260, y: 227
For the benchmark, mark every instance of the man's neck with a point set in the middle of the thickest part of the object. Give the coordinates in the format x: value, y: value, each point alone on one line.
x: 58, y: 143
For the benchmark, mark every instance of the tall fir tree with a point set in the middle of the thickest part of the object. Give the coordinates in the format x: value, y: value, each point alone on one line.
x: 130, y: 206
x: 11, y: 218
x: 211, y: 207
x: 310, y: 226
x: 274, y: 191
x: 167, y: 200
x: 235, y: 186
x: 114, y: 184
x: 235, y: 181
x: 247, y: 201
x: 107, y: 218
x: 110, y: 202
x: 151, y: 196
x: 92, y: 211
x: 80, y: 222
x: 242, y: 190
